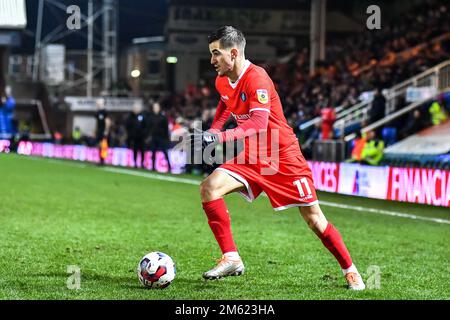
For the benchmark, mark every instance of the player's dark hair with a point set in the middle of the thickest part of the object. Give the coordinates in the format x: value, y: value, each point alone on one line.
x: 228, y: 36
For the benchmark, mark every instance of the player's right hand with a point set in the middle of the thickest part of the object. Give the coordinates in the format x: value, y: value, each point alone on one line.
x: 205, y: 142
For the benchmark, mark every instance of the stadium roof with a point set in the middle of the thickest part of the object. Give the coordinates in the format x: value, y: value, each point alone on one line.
x: 13, y: 14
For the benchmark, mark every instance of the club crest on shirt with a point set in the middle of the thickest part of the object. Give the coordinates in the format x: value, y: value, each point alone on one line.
x: 243, y: 96
x: 262, y: 96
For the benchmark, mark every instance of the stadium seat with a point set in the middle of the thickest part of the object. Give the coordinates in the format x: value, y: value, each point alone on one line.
x: 389, y: 135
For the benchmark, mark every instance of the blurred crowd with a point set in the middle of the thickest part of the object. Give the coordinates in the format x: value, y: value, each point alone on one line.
x: 365, y: 62
x: 369, y: 61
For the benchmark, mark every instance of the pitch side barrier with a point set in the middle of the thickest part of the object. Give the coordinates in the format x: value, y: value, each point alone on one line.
x: 122, y: 157
x: 414, y: 185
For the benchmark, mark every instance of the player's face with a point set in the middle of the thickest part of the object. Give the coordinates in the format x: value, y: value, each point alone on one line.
x: 221, y: 59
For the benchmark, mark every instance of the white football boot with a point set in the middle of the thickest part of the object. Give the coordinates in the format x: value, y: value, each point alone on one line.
x: 226, y: 267
x: 354, y: 281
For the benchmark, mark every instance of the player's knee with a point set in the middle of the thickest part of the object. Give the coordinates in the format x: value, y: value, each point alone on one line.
x: 313, y: 224
x: 209, y: 190
x: 310, y: 220
x: 315, y: 219
x: 317, y: 225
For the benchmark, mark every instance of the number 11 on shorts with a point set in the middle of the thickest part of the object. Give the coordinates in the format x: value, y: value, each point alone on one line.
x: 301, y: 189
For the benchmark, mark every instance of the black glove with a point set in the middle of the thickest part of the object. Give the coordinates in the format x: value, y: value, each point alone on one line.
x: 210, y: 139
x: 208, y: 142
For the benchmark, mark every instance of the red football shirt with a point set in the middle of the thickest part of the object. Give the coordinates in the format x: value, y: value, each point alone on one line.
x: 254, y: 90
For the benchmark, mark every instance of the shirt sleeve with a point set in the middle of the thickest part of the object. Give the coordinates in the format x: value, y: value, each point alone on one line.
x: 259, y: 95
x: 257, y: 123
x: 221, y: 116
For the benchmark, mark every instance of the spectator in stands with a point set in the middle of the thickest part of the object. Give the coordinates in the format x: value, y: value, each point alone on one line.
x: 328, y: 119
x: 358, y: 63
x: 137, y: 132
x: 24, y: 130
x: 159, y: 132
x: 76, y: 135
x: 414, y: 124
x: 438, y: 113
x: 102, y: 132
x: 117, y: 134
x: 373, y: 150
x: 358, y: 146
x: 378, y: 107
x: 7, y: 105
x: 58, y: 138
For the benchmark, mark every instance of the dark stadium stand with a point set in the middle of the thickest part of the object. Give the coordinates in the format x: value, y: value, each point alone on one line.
x: 356, y: 64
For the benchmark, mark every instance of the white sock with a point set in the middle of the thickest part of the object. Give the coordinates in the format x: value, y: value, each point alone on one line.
x: 352, y: 268
x: 233, y: 255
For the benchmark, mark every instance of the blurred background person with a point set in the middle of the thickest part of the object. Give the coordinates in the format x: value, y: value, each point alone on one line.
x: 159, y: 132
x: 378, y: 107
x: 137, y: 132
x: 414, y: 123
x: 7, y: 106
x: 103, y: 125
x: 358, y: 145
x: 373, y: 150
x: 437, y: 113
x: 328, y: 119
x: 76, y: 135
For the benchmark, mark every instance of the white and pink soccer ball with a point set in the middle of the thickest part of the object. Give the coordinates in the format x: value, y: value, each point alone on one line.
x: 156, y: 270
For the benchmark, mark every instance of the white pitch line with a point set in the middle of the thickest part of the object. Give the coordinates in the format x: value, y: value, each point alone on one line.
x: 384, y: 212
x: 325, y: 203
x: 58, y: 161
x: 153, y: 176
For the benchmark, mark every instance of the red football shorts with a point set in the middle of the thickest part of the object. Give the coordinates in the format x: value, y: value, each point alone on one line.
x: 287, y: 183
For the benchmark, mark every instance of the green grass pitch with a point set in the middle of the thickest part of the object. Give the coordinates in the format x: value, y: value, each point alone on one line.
x: 56, y: 213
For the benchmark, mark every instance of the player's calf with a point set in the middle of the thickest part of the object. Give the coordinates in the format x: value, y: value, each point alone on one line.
x: 332, y: 240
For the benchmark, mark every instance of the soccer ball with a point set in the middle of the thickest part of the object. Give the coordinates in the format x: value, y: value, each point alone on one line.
x: 156, y: 270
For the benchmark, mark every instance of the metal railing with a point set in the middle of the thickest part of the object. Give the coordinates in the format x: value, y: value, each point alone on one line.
x: 437, y: 77
x: 356, y: 113
x: 312, y: 122
x: 395, y: 115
